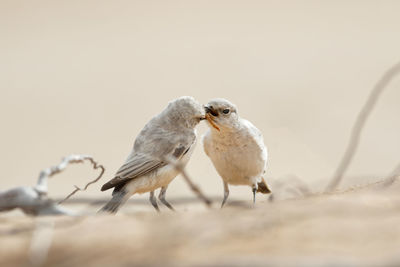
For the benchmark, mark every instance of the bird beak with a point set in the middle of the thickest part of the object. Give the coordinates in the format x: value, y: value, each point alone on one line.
x: 210, y: 113
x: 210, y: 110
x: 211, y: 121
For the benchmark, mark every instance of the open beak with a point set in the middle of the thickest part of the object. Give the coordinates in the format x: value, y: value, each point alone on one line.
x: 210, y: 113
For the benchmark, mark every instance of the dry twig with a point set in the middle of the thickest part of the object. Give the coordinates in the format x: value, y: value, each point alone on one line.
x: 359, y: 125
x: 179, y: 167
x: 391, y: 178
x: 95, y: 166
x: 34, y: 200
x: 42, y: 238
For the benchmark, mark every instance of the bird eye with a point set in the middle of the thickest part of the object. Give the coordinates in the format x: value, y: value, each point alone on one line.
x: 225, y: 111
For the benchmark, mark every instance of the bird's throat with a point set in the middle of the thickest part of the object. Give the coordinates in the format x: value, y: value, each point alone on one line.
x: 210, y: 120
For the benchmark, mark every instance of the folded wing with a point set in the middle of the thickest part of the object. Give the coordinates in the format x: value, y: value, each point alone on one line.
x: 139, y: 165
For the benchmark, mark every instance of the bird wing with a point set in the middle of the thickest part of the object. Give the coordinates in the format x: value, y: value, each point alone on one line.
x: 136, y: 166
x: 258, y: 138
x: 140, y: 164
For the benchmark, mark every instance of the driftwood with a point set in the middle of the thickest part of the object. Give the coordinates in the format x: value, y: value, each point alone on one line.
x: 196, y: 190
x: 33, y: 200
x: 359, y: 124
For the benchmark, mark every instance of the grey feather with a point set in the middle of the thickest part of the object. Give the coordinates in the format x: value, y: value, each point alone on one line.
x: 169, y: 134
x: 140, y: 164
x: 115, y: 203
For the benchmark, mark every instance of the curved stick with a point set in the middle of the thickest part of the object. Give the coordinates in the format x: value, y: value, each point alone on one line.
x: 359, y: 125
x: 81, y: 158
x: 179, y: 167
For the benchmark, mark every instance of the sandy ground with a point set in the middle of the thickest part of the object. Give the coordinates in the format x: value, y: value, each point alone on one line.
x: 359, y: 227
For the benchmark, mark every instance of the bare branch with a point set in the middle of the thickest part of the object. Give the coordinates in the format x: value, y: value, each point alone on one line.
x: 359, y: 125
x: 34, y: 200
x: 95, y: 166
x: 391, y: 178
x: 30, y: 201
x: 179, y: 167
x: 41, y: 242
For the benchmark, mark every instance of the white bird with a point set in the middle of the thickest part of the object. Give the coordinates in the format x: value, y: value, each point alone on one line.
x: 235, y: 147
x: 170, y: 134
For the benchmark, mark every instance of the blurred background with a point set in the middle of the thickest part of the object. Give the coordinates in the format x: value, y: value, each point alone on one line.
x: 85, y: 76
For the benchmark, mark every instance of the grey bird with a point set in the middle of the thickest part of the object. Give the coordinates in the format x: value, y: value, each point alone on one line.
x: 235, y: 147
x: 169, y: 135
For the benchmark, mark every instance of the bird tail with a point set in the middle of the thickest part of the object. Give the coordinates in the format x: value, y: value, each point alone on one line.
x: 263, y: 187
x: 117, y: 200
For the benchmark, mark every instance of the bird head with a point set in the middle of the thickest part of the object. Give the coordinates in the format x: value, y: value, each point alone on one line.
x: 221, y: 114
x: 185, y: 111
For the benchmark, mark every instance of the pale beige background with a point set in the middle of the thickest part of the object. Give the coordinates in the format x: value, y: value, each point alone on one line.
x: 85, y: 76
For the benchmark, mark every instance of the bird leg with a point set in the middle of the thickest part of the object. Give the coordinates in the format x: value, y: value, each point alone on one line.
x: 226, y: 194
x: 161, y: 197
x: 254, y: 193
x: 154, y: 201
